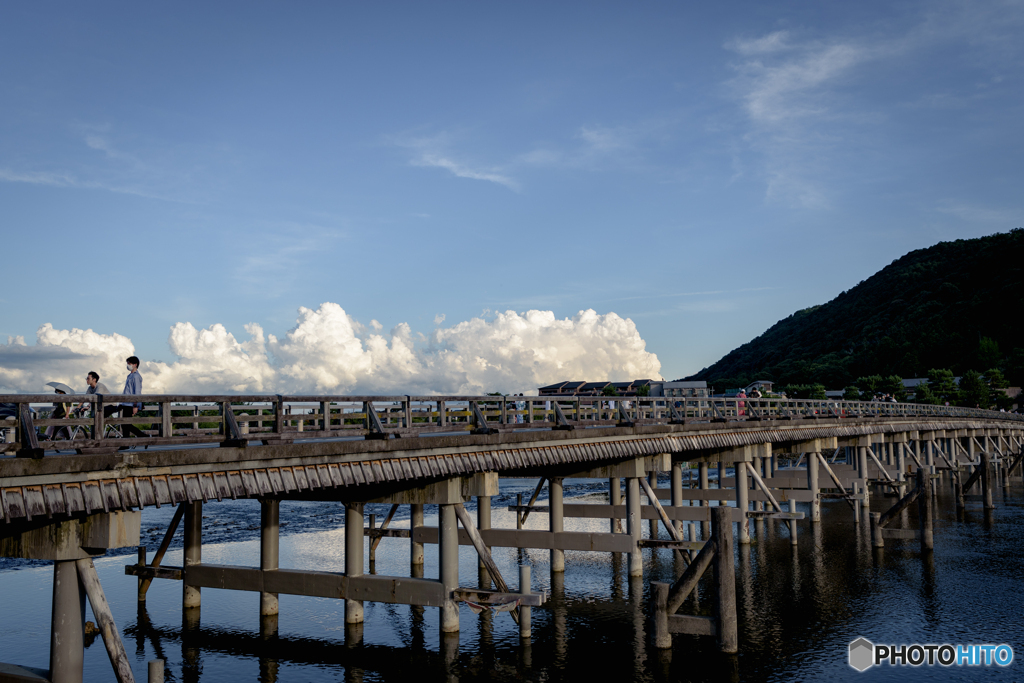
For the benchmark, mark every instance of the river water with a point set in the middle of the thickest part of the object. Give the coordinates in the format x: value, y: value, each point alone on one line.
x: 798, y: 608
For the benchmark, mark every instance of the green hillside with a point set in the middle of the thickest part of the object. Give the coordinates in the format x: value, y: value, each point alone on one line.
x: 957, y: 305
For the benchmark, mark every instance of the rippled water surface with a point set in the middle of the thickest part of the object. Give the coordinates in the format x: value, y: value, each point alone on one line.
x: 798, y: 608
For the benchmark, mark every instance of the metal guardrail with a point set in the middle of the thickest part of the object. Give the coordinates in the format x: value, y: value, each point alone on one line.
x: 236, y: 419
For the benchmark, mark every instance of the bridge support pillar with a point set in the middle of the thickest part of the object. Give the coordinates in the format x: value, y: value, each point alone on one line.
x: 448, y: 551
x: 269, y: 549
x: 760, y: 469
x: 862, y: 470
x: 702, y: 482
x: 614, y: 498
x: 812, y: 485
x: 652, y: 481
x: 677, y: 492
x: 483, y: 521
x: 416, y: 549
x: 67, y: 625
x: 633, y: 522
x: 555, y: 521
x: 190, y: 596
x: 742, y: 501
x: 354, y: 557
x: 986, y: 478
x: 721, y: 482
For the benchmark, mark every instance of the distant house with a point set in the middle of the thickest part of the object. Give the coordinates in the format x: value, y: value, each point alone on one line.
x: 762, y: 385
x: 680, y: 389
x: 561, y: 389
x: 630, y: 388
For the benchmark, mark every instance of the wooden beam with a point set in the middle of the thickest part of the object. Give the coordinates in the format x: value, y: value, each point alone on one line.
x: 653, y: 498
x: 485, y: 555
x: 105, y: 620
x: 533, y: 499
x: 760, y: 483
x: 162, y: 550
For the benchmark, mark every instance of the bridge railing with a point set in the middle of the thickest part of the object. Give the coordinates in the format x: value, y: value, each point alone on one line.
x: 32, y: 422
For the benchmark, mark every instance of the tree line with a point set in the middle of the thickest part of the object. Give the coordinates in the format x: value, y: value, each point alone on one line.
x: 975, y: 389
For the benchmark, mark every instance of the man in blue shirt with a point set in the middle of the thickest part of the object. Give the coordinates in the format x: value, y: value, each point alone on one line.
x: 132, y: 386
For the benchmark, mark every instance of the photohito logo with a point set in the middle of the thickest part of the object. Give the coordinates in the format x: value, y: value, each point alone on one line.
x: 864, y: 654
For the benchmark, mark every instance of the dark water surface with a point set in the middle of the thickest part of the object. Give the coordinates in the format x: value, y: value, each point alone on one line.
x: 798, y: 608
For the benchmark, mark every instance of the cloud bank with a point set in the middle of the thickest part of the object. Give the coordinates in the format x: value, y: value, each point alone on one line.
x: 329, y: 352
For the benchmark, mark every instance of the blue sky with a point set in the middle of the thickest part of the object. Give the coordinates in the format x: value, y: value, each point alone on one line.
x: 702, y: 171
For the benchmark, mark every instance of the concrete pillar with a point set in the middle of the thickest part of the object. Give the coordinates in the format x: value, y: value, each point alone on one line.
x: 677, y: 492
x: 524, y: 610
x: 812, y: 484
x: 742, y: 501
x: 448, y: 551
x: 986, y: 474
x: 652, y: 481
x: 721, y: 482
x: 269, y: 549
x: 862, y: 470
x: 483, y: 520
x: 354, y: 543
x: 856, y: 502
x: 877, y: 540
x: 792, y: 523
x: 67, y: 624
x: 614, y: 498
x: 633, y: 520
x: 929, y: 458
x: 702, y: 482
x: 759, y: 467
x: 193, y: 549
x: 415, y: 520
x: 924, y: 509
x: 555, y: 521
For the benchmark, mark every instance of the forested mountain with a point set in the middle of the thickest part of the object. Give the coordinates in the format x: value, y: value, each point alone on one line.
x: 957, y: 305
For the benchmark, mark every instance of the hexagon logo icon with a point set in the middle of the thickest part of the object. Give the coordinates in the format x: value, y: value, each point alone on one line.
x: 861, y: 654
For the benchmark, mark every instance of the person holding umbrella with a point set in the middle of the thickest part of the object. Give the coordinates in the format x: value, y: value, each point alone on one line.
x: 59, y: 410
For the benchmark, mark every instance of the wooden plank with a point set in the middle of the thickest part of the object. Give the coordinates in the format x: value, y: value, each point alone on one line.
x: 693, y: 626
x: 485, y: 597
x: 909, y: 534
x: 372, y: 588
x: 535, y: 538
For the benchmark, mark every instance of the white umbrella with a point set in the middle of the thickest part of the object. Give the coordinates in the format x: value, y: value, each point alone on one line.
x: 60, y: 386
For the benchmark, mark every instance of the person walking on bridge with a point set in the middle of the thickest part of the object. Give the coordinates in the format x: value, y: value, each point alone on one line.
x: 132, y: 387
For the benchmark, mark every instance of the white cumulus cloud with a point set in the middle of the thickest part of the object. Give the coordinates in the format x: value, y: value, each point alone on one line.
x: 329, y: 352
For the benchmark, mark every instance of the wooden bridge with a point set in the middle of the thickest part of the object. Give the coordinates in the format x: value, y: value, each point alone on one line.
x: 73, y: 495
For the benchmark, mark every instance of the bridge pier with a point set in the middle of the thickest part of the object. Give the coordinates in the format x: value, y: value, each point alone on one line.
x: 67, y: 624
x: 555, y: 523
x: 190, y: 595
x: 483, y: 521
x: 448, y: 552
x: 354, y: 557
x: 677, y: 491
x: 633, y: 522
x: 742, y: 502
x: 614, y: 498
x: 702, y: 481
x: 812, y: 485
x: 416, y: 549
x: 270, y: 510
